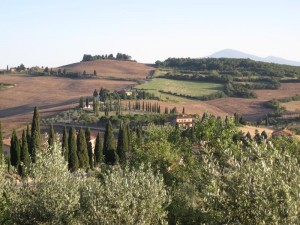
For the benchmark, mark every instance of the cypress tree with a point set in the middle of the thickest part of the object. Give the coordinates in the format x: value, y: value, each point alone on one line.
x: 98, y: 152
x: 73, y: 158
x: 81, y: 103
x: 166, y: 110
x: 89, y: 147
x: 82, y: 152
x: 122, y: 144
x: 8, y: 164
x: 183, y: 110
x: 28, y: 136
x: 1, y: 147
x: 65, y: 146
x: 128, y: 131
x: 109, y: 146
x: 95, y: 94
x: 87, y: 102
x: 24, y: 155
x: 14, y: 149
x: 51, y: 136
x: 35, y: 134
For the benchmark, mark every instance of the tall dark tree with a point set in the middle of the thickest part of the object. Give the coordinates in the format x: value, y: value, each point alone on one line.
x: 73, y: 158
x: 35, y: 134
x: 166, y: 110
x: 65, y: 146
x: 264, y: 135
x: 123, y: 143
x: 87, y: 102
x: 14, y: 150
x: 51, y: 136
x: 81, y: 102
x: 248, y: 136
x: 1, y: 147
x: 98, y: 151
x: 89, y: 147
x: 82, y: 153
x: 95, y: 106
x: 24, y: 155
x: 183, y: 110
x: 109, y: 146
x: 95, y: 94
x: 28, y: 136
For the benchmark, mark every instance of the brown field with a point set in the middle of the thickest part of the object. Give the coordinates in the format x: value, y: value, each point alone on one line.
x: 50, y: 94
x: 292, y: 106
x: 253, y: 109
x: 252, y: 130
x: 112, y: 68
x: 53, y: 95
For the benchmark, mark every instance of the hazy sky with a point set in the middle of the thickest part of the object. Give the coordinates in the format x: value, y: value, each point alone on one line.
x: 57, y: 32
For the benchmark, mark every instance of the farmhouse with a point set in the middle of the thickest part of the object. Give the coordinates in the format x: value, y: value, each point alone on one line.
x: 184, y: 121
x: 282, y: 132
x: 126, y: 92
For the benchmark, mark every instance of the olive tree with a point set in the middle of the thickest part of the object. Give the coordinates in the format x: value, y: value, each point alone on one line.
x: 51, y: 195
x: 132, y: 196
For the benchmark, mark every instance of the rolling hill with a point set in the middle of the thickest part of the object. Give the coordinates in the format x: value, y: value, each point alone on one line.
x: 111, y: 69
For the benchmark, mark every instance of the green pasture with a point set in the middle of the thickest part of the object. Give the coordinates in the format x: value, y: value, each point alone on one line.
x: 191, y: 88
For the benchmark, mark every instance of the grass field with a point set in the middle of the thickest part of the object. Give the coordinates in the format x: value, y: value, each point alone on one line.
x: 191, y: 88
x: 4, y: 86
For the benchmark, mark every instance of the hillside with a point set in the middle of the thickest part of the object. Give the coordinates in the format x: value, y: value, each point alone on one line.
x: 111, y: 68
x: 232, y: 66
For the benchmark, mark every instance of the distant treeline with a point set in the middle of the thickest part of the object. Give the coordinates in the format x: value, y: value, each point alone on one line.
x: 119, y: 56
x: 219, y: 94
x: 61, y: 73
x: 233, y: 66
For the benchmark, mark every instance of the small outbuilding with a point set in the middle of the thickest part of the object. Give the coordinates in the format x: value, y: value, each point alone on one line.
x: 283, y: 132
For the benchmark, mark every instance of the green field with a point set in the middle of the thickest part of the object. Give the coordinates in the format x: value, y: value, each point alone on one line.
x: 5, y: 85
x: 191, y: 88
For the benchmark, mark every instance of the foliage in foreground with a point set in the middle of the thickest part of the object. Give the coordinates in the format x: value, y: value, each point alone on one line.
x: 53, y: 195
x: 224, y: 181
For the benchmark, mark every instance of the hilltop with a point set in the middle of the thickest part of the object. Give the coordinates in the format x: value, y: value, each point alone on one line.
x: 111, y: 68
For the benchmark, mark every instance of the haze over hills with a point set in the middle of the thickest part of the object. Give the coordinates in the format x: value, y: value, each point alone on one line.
x: 231, y: 53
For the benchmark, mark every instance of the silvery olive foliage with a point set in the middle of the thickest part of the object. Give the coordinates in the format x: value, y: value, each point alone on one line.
x: 5, y: 187
x: 51, y: 193
x: 261, y: 187
x: 131, y: 196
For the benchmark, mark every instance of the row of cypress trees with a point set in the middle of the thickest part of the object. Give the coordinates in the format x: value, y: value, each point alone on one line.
x: 23, y: 151
x: 77, y: 149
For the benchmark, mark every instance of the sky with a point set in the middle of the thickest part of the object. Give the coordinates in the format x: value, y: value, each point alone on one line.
x: 58, y: 32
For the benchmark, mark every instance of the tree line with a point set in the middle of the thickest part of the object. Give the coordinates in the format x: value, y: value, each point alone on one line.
x: 234, y: 66
x: 119, y: 56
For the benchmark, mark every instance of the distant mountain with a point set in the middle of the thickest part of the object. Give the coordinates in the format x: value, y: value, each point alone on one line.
x: 231, y: 53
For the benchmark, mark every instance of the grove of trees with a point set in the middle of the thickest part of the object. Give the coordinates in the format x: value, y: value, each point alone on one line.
x: 207, y: 174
